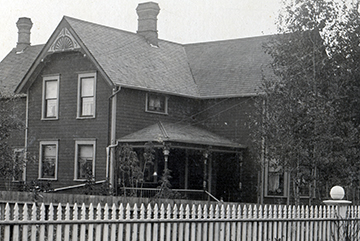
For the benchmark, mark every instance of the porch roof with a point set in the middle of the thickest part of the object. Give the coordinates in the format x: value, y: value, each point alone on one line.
x: 179, y: 133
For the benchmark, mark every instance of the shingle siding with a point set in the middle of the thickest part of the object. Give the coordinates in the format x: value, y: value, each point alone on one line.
x: 68, y: 128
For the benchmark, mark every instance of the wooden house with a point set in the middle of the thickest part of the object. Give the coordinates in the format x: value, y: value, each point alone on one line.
x: 90, y: 89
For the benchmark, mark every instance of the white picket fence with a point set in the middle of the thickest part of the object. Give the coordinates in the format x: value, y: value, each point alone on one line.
x: 176, y: 223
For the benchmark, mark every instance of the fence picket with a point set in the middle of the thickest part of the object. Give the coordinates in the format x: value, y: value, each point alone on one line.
x: 75, y: 227
x: 199, y: 225
x: 244, y: 216
x: 33, y: 218
x: 121, y: 225
x: 128, y: 225
x: 205, y: 224
x: 211, y: 224
x: 181, y: 224
x: 193, y: 224
x: 91, y: 226
x: 142, y: 224
x: 83, y: 226
x: 160, y: 222
x: 148, y: 225
x: 98, y: 227
x: 105, y: 226
x: 155, y: 227
x: 168, y: 225
x: 134, y: 232
x: 233, y: 223
x: 67, y: 226
x: 42, y: 218
x: 187, y: 225
x: 113, y: 225
x: 16, y: 228
x: 51, y: 217
x: 175, y: 225
x: 7, y: 227
x: 254, y: 224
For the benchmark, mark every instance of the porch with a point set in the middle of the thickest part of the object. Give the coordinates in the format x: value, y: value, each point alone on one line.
x: 202, y: 165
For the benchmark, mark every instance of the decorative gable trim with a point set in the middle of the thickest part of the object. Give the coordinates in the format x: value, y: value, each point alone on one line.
x: 64, y: 41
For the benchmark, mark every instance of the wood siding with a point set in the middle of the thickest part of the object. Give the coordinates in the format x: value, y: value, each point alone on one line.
x: 68, y: 128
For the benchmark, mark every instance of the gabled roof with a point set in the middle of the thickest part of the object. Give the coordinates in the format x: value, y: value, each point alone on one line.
x: 204, y: 70
x: 14, y: 66
x: 180, y: 133
x: 229, y: 68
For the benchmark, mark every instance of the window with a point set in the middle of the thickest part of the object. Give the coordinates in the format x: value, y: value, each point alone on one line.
x: 48, y: 160
x: 276, y: 179
x: 84, y: 159
x: 86, y: 95
x: 156, y: 103
x: 19, y: 166
x: 50, y: 102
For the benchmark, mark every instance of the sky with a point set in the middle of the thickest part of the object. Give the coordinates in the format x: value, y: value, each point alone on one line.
x: 181, y: 21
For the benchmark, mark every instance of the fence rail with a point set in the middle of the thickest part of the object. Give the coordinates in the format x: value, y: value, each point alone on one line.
x: 177, y: 223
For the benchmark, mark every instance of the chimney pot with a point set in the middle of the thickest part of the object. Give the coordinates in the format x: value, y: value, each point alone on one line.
x: 24, y: 25
x: 147, y: 21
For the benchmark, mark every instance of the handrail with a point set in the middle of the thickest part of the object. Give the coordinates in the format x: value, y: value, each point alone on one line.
x: 75, y: 186
x: 212, y: 196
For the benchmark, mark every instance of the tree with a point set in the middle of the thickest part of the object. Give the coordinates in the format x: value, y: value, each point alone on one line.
x: 309, y: 117
x: 10, y: 122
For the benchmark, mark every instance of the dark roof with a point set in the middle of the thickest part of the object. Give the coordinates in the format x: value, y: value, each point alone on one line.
x: 180, y: 133
x: 230, y: 68
x: 130, y: 61
x: 14, y: 66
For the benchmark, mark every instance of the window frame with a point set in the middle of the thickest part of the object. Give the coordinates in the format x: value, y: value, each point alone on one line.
x: 148, y: 97
x: 15, y: 152
x: 286, y: 182
x: 83, y: 143
x: 44, y: 99
x: 80, y: 98
x: 48, y: 143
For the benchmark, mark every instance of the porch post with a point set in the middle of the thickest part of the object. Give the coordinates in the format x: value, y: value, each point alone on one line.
x: 186, y: 169
x: 206, y: 156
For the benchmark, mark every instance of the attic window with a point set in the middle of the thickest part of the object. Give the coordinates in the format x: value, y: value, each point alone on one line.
x: 156, y: 103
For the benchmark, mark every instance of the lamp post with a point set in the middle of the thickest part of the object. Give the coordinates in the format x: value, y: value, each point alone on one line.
x: 337, y: 194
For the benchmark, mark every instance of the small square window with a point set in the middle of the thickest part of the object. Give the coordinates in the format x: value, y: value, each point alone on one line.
x: 48, y: 160
x: 86, y: 95
x: 84, y: 160
x: 50, y: 101
x: 156, y: 103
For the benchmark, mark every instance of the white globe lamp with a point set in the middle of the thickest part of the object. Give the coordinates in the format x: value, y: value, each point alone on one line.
x: 337, y: 193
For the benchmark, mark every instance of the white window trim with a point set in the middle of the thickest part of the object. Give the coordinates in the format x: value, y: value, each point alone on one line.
x: 44, y: 143
x: 78, y: 112
x: 16, y: 150
x: 43, y: 111
x: 84, y: 142
x: 156, y: 112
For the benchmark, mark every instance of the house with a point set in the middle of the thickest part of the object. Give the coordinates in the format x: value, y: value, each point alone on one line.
x: 90, y: 89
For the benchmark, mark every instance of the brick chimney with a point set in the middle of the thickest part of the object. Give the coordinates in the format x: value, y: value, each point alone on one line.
x: 24, y: 25
x: 147, y: 21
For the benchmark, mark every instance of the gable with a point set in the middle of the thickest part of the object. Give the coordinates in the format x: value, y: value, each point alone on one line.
x: 231, y: 68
